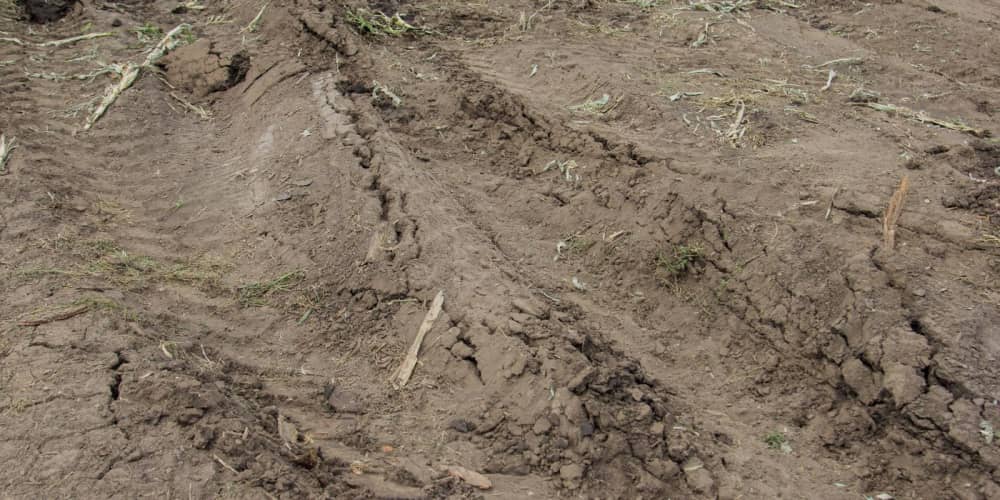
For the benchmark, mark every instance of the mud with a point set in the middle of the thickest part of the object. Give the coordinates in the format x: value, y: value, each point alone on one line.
x: 677, y: 291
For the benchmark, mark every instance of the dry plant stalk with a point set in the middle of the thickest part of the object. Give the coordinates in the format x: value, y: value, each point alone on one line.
x: 57, y: 43
x: 57, y: 315
x: 402, y: 375
x: 892, y: 213
x: 128, y: 75
x: 923, y: 117
x: 5, y: 148
x: 255, y: 22
x: 198, y: 110
x: 130, y: 72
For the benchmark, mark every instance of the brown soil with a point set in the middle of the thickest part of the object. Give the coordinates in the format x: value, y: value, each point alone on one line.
x: 681, y: 292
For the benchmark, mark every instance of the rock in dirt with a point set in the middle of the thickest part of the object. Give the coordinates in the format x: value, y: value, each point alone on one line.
x: 571, y: 472
x: 341, y: 401
x: 904, y: 383
x: 662, y: 469
x: 200, y: 68
x: 471, y: 477
x: 461, y: 350
x: 462, y: 425
x: 189, y: 416
x: 47, y: 11
x: 531, y: 308
x: 287, y: 430
x: 699, y: 480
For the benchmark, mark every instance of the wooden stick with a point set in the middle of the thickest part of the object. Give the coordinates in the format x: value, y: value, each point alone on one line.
x: 402, y: 375
x: 892, y: 213
x: 224, y: 464
x: 55, y: 316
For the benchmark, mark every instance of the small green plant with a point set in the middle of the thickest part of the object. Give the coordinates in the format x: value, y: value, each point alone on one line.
x: 775, y: 440
x: 680, y: 260
x: 147, y: 33
x: 377, y: 23
x: 253, y: 294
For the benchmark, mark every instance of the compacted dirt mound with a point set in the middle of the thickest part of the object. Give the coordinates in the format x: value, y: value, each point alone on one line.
x: 658, y: 228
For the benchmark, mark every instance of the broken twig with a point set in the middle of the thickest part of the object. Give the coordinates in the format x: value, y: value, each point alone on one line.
x: 198, y: 110
x: 471, y: 477
x: 892, y: 213
x: 57, y: 43
x: 51, y: 316
x: 922, y: 117
x: 5, y: 148
x: 402, y: 375
x: 846, y: 61
x: 829, y: 80
x: 255, y: 23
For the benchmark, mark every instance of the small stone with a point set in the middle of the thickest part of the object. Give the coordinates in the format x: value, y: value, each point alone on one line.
x: 657, y: 428
x: 542, y: 426
x: 203, y: 438
x: 920, y: 292
x: 462, y: 425
x: 530, y: 307
x: 700, y: 480
x: 189, y: 416
x: 663, y: 469
x: 461, y: 350
x: 643, y: 412
x: 514, y: 327
x: 341, y: 401
x: 471, y: 477
x: 571, y: 472
x: 636, y: 393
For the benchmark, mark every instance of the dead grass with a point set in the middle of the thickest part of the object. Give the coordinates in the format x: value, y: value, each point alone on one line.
x: 377, y: 23
x: 105, y: 260
x: 254, y: 294
x: 923, y: 117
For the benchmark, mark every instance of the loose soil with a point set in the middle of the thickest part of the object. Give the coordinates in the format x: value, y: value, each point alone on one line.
x: 658, y: 230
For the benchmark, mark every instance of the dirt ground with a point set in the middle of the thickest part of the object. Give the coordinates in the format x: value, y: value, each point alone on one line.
x: 659, y: 228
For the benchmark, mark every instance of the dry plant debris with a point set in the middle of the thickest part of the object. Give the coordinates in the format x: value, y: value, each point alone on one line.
x: 130, y: 71
x: 405, y: 371
x: 923, y: 117
x: 5, y: 149
x: 892, y: 213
